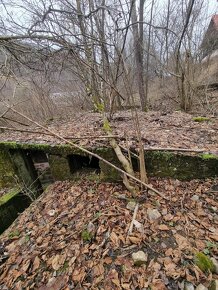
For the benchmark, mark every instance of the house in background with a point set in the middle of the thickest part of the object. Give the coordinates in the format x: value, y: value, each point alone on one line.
x: 209, y: 44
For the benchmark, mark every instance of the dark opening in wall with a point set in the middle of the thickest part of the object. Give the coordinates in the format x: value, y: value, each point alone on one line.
x: 42, y: 167
x: 77, y: 162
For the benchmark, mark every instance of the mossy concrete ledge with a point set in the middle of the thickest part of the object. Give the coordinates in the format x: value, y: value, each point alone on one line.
x: 181, y: 166
x: 11, y: 204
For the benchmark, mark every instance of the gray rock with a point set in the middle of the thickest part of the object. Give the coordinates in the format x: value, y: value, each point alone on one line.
x: 189, y: 286
x: 215, y: 262
x: 131, y: 205
x: 195, y: 197
x: 201, y: 287
x: 139, y: 258
x: 153, y: 214
x: 214, y: 208
x: 91, y: 228
x: 164, y: 211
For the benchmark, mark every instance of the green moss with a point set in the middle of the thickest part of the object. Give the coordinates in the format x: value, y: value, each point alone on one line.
x: 13, y: 234
x: 7, y: 173
x: 60, y: 168
x: 180, y: 166
x: 107, y: 172
x: 64, y: 268
x: 204, y: 263
x: 86, y: 236
x: 200, y: 119
x: 209, y: 156
x: 213, y: 285
x: 6, y: 197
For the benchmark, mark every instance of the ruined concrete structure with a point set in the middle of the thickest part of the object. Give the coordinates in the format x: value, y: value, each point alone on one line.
x: 18, y: 170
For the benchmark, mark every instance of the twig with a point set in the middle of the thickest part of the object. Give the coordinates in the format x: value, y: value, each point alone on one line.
x: 92, y: 154
x: 173, y: 149
x: 133, y: 218
x: 46, y: 133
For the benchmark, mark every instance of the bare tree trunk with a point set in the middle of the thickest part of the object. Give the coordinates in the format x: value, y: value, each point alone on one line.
x: 180, y: 70
x: 148, y: 50
x: 138, y: 47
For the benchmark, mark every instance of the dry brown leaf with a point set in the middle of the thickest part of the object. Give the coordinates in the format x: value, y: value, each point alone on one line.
x: 163, y: 227
x: 56, y: 283
x: 98, y: 270
x: 115, y: 239
x: 158, y: 284
x: 79, y: 274
x: 58, y: 261
x: 214, y: 237
x: 26, y: 265
x: 134, y: 240
x: 181, y: 241
x: 107, y: 260
x: 36, y: 263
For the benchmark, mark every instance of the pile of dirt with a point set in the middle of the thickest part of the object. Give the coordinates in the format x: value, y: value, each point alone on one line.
x: 76, y: 237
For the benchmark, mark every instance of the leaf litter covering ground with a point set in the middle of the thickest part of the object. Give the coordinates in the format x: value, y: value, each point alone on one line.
x: 47, y: 246
x: 158, y: 129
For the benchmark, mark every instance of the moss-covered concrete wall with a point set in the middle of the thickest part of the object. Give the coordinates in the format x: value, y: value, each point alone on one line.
x: 11, y: 204
x: 59, y: 166
x: 7, y: 173
x: 107, y: 172
x: 181, y: 166
x: 26, y: 172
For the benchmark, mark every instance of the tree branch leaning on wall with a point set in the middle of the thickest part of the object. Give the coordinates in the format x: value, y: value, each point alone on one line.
x: 128, y: 174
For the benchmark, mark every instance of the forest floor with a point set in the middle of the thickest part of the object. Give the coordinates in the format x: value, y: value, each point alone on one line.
x: 162, y: 130
x: 75, y: 236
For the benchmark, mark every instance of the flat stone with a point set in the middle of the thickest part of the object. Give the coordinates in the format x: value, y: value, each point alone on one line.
x: 214, y: 208
x: 51, y: 212
x: 139, y: 258
x: 201, y: 287
x: 131, y: 205
x: 215, y: 262
x: 164, y: 211
x: 153, y: 214
x: 195, y: 197
x: 189, y: 286
x: 91, y: 228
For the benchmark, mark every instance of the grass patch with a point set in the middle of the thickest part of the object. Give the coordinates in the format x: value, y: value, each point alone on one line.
x: 204, y: 263
x: 200, y: 119
x: 6, y: 197
x: 209, y: 156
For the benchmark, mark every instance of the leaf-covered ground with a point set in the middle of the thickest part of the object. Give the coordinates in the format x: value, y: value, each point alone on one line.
x: 50, y: 246
x: 158, y: 129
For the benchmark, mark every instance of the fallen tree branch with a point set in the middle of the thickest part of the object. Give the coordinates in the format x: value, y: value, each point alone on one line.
x: 49, y: 134
x: 174, y: 149
x: 108, y: 137
x: 92, y: 154
x: 133, y: 219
